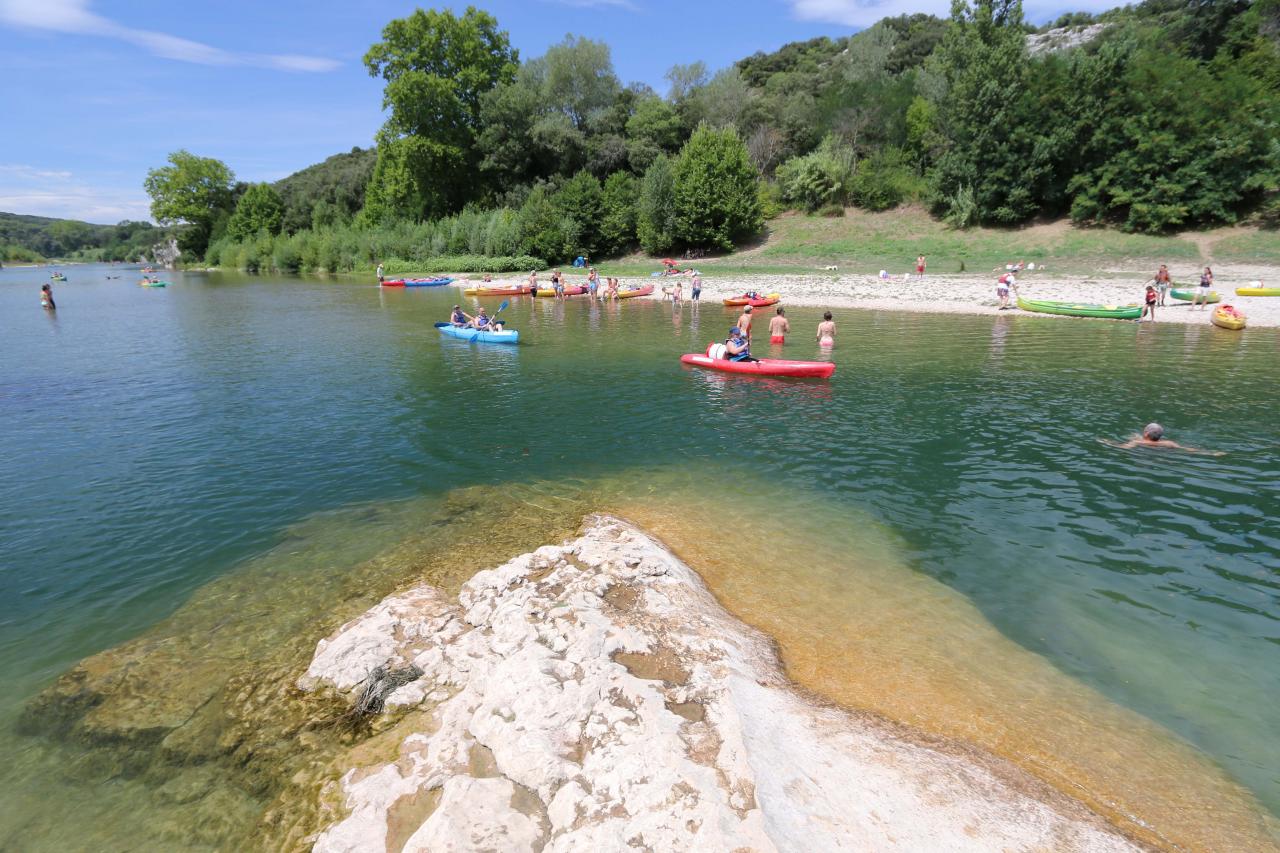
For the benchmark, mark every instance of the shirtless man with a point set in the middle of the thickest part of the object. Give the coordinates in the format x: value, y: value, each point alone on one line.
x: 1153, y: 436
x: 744, y: 323
x: 778, y: 328
x: 827, y: 331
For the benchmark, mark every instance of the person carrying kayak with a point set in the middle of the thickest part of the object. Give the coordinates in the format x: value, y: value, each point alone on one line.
x: 460, y: 318
x: 737, y: 347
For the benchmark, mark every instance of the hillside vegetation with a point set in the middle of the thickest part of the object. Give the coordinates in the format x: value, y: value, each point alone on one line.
x: 35, y: 238
x: 1164, y: 118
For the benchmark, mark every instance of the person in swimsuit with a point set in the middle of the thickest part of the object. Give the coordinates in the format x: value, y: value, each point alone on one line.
x: 1163, y: 282
x: 46, y: 298
x: 677, y: 292
x: 697, y: 286
x: 920, y: 266
x: 1150, y: 307
x: 744, y: 322
x: 1153, y: 436
x: 778, y: 328
x: 460, y: 318
x: 1202, y: 292
x: 556, y: 284
x: 533, y: 283
x: 827, y: 331
x: 737, y: 347
x: 593, y: 282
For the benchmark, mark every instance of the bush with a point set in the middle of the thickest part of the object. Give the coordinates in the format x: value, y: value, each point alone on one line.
x: 716, y: 204
x: 832, y: 211
x: 962, y: 208
x: 770, y: 199
x: 655, y: 212
x: 823, y: 177
x: 884, y: 180
x: 463, y: 264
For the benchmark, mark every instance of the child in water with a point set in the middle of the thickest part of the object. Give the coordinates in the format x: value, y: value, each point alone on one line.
x: 46, y: 298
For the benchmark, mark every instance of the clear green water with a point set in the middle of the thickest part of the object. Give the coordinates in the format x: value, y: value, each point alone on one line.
x: 156, y: 439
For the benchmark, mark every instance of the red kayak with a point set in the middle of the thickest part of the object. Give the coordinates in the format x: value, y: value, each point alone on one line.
x: 393, y: 282
x: 763, y: 367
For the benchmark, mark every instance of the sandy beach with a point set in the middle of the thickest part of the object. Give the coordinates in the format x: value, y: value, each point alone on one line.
x: 976, y: 293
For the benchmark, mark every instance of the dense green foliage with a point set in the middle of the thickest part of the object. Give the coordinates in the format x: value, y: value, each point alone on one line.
x: 34, y: 238
x: 436, y: 67
x: 259, y: 209
x: 327, y: 193
x: 191, y: 190
x: 1165, y: 117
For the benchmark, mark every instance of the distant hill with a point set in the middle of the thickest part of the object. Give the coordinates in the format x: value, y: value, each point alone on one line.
x: 327, y: 192
x: 33, y: 238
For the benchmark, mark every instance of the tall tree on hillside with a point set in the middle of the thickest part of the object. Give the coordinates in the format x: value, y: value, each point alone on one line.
x: 437, y: 66
x: 986, y: 114
x: 194, y: 191
x: 716, y: 200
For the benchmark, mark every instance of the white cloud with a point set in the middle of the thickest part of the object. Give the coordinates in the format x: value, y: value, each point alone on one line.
x: 47, y: 192
x: 75, y: 17
x: 864, y: 13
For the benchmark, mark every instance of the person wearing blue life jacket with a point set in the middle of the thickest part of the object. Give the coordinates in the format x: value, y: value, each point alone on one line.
x: 459, y: 317
x: 736, y: 346
x: 482, y: 322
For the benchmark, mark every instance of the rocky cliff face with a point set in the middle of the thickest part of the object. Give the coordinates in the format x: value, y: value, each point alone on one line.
x: 595, y: 696
x: 1063, y: 38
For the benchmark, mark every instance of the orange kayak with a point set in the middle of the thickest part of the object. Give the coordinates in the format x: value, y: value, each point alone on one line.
x: 754, y: 302
x: 523, y: 290
x: 636, y: 291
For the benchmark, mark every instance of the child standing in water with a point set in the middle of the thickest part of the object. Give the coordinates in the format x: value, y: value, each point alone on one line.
x: 827, y: 331
x: 46, y: 298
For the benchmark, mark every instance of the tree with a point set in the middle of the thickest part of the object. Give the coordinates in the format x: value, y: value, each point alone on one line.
x: 618, y: 224
x: 655, y: 212
x: 259, y: 209
x: 987, y: 114
x: 192, y: 191
x: 437, y: 67
x: 543, y: 231
x: 716, y: 201
x: 579, y: 201
x: 653, y: 129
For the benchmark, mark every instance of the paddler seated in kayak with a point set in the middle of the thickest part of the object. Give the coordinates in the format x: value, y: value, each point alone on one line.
x: 482, y: 322
x: 736, y: 347
x: 460, y: 318
x: 1153, y: 436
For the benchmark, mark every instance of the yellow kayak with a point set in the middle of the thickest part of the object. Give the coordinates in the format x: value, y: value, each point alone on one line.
x: 1258, y: 291
x: 1226, y: 317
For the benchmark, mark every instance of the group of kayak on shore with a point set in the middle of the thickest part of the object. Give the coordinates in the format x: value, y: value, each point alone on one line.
x: 737, y: 347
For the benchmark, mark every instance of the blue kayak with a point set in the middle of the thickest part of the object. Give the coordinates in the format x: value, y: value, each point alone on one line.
x: 508, y: 337
x: 427, y: 282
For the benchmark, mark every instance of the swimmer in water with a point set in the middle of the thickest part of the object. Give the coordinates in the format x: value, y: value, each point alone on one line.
x: 827, y: 331
x: 1153, y: 436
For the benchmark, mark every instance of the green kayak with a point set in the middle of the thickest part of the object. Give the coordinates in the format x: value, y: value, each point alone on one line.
x: 1190, y: 295
x: 1076, y: 309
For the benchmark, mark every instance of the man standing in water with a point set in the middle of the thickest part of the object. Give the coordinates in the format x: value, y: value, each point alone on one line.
x: 379, y: 272
x: 696, y: 293
x: 827, y: 331
x: 744, y: 323
x: 778, y: 328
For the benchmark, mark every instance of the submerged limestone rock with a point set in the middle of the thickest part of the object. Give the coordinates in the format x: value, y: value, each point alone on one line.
x: 595, y: 696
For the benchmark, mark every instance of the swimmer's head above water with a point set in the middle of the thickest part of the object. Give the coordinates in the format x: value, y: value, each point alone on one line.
x: 1153, y: 432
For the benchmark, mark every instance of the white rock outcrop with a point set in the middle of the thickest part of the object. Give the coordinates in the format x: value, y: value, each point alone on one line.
x: 595, y: 696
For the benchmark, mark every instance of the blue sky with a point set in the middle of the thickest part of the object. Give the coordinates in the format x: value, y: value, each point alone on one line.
x: 96, y: 93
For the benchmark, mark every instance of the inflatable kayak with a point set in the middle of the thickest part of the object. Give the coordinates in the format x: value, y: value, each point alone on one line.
x: 1074, y: 309
x: 393, y: 282
x: 427, y: 282
x: 1190, y: 295
x: 763, y: 367
x: 509, y: 336
x: 1258, y: 291
x: 1226, y: 317
x: 756, y: 302
x: 647, y: 290
x: 497, y: 291
x: 576, y: 290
